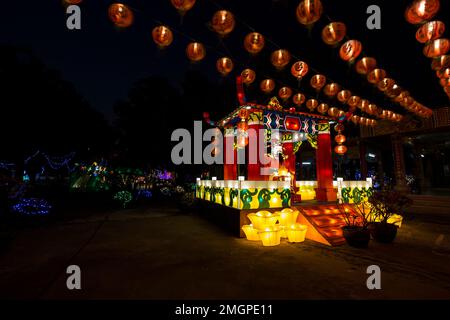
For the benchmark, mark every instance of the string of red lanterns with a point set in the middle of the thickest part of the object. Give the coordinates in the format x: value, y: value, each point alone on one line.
x: 430, y: 34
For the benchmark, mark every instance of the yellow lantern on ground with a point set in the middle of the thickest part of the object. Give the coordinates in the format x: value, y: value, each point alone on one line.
x: 262, y: 219
x: 288, y: 217
x: 270, y: 236
x: 250, y: 232
x: 296, y: 232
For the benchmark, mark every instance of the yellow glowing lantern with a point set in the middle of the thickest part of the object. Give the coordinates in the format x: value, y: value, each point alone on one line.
x: 270, y: 236
x: 288, y: 217
x: 120, y: 15
x: 296, y: 232
x: 262, y: 219
x: 250, y: 232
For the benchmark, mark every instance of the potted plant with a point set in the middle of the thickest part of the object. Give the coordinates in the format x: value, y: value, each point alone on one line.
x: 384, y: 204
x: 355, y: 230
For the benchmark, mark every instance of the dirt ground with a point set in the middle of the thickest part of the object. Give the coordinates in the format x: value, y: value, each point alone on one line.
x: 161, y: 254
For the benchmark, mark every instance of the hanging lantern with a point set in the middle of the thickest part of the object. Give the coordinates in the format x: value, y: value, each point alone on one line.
x: 331, y: 89
x: 223, y: 22
x: 280, y: 58
x: 394, y: 91
x: 339, y: 127
x: 267, y: 85
x: 421, y: 10
x: 385, y: 84
x: 298, y: 99
x: 376, y: 76
x: 443, y: 73
x: 162, y: 36
x: 333, y: 112
x: 372, y: 108
x: 183, y: 5
x: 344, y: 95
x: 401, y: 96
x: 311, y: 104
x: 248, y: 76
x: 333, y: 33
x: 366, y: 65
x: 72, y: 1
x: 322, y: 108
x: 318, y: 81
x: 355, y: 119
x: 350, y: 50
x: 254, y: 42
x: 363, y: 104
x: 340, y: 138
x: 353, y: 101
x: 299, y: 69
x: 440, y: 62
x: 309, y: 11
x: 224, y: 65
x: 436, y: 48
x: 430, y: 31
x: 285, y: 93
x: 120, y: 15
x: 195, y: 51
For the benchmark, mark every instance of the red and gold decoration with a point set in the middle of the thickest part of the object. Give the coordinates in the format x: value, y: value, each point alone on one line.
x: 285, y: 93
x: 318, y: 81
x: 120, y: 15
x: 280, y: 58
x: 248, y: 76
x: 195, y: 51
x: 254, y: 42
x: 299, y: 69
x: 223, y: 22
x: 162, y: 36
x: 350, y: 50
x: 309, y: 11
x: 334, y: 32
x: 224, y: 65
x: 267, y: 85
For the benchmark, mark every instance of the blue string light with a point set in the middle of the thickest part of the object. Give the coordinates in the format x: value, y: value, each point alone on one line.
x: 32, y: 207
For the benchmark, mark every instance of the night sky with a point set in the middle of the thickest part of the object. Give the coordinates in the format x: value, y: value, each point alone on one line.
x: 103, y: 62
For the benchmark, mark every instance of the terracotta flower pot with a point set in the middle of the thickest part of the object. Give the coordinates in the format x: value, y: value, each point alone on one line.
x: 355, y: 236
x: 383, y: 232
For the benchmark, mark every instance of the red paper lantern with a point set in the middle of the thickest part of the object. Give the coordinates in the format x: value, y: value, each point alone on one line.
x: 385, y: 84
x: 331, y: 89
x: 120, y: 15
x: 318, y: 81
x: 436, y: 48
x: 430, y: 31
x: 299, y: 69
x: 366, y: 65
x: 311, y: 104
x: 344, y: 95
x: 254, y: 42
x: 280, y: 58
x: 195, y: 51
x: 223, y: 22
x: 350, y: 50
x: 421, y: 10
x: 333, y: 33
x: 322, y: 108
x: 162, y: 36
x: 309, y: 11
x: 267, y: 85
x: 353, y: 101
x: 224, y: 65
x: 183, y: 5
x: 340, y: 138
x: 248, y: 76
x: 285, y: 93
x: 376, y: 76
x: 298, y: 99
x: 440, y: 62
x: 340, y: 149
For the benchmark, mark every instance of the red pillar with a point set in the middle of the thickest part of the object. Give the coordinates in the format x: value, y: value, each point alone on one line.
x: 324, y: 166
x: 289, y: 160
x: 254, y: 169
x: 229, y: 165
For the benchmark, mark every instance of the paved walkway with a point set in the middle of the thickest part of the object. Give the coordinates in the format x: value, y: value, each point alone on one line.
x: 160, y: 254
